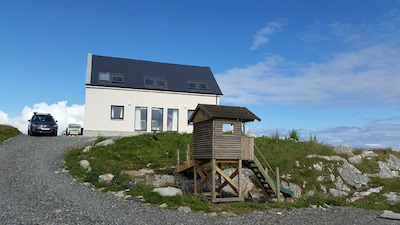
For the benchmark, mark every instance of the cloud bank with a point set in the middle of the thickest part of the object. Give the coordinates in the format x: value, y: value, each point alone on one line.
x: 63, y: 113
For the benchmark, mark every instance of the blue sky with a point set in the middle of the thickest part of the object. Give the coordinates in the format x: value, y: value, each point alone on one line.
x: 325, y: 68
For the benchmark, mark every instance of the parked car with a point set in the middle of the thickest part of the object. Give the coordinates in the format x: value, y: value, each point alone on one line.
x: 42, y: 123
x: 74, y: 129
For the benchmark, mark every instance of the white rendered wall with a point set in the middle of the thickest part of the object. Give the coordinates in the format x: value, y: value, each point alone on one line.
x: 99, y: 100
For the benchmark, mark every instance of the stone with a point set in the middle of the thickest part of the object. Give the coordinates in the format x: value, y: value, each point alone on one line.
x: 297, y: 164
x: 392, y: 197
x: 105, y: 142
x: 168, y: 191
x: 356, y: 159
x: 163, y: 206
x: 323, y: 188
x: 394, y: 162
x: 344, y: 149
x: 107, y: 178
x: 368, y: 154
x: 87, y: 149
x: 340, y: 185
x: 337, y: 193
x: 371, y: 190
x: 320, y: 178
x: 352, y: 175
x: 295, y: 188
x: 162, y: 180
x: 246, y: 173
x: 185, y: 209
x: 318, y: 166
x: 84, y: 164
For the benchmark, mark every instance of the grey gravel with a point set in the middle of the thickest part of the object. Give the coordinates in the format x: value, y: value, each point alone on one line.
x: 34, y: 189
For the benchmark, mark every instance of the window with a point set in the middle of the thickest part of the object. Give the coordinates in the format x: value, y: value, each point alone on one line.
x: 172, y: 120
x: 227, y: 128
x: 155, y: 82
x: 203, y: 86
x: 141, y: 118
x: 161, y: 82
x: 157, y: 119
x: 148, y: 81
x: 104, y: 76
x: 190, y: 112
x: 117, y: 78
x: 117, y: 112
x: 191, y: 84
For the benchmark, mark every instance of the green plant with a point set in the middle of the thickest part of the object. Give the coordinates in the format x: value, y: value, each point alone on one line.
x: 294, y: 135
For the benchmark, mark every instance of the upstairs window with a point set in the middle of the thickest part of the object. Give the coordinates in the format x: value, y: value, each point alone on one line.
x: 191, y: 84
x: 117, y: 78
x: 160, y: 82
x: 203, y: 85
x: 104, y: 76
x: 195, y: 84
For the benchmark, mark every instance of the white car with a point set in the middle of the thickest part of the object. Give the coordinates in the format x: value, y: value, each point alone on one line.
x: 74, y: 129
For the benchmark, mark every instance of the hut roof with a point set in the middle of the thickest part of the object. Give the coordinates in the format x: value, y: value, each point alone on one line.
x: 225, y: 112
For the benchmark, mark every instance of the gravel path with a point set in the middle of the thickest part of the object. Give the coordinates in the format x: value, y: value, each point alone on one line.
x: 35, y: 190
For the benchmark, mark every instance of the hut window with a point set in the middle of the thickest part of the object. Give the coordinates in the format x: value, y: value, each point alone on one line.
x: 228, y: 128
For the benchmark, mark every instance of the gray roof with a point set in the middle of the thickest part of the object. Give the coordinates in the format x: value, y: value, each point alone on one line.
x: 225, y: 112
x: 139, y: 74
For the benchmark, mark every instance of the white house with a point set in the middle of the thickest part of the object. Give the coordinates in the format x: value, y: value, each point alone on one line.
x: 127, y: 96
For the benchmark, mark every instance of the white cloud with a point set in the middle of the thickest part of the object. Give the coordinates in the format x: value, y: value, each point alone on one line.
x: 365, y: 76
x: 262, y: 36
x: 63, y: 113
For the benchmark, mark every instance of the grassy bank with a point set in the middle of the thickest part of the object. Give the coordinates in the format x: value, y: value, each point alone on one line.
x: 7, y: 132
x: 158, y: 151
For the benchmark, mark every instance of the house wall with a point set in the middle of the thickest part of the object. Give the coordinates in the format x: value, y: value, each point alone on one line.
x: 99, y: 100
x: 227, y: 146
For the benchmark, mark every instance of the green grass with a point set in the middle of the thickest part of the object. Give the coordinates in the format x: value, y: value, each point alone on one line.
x: 7, y: 132
x: 158, y: 151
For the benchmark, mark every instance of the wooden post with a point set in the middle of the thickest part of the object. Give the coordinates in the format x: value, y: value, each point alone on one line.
x: 195, y: 177
x: 177, y: 158
x: 278, y: 184
x: 187, y: 153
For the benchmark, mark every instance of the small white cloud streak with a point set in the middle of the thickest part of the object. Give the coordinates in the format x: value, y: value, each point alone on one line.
x: 376, y: 134
x: 262, y: 36
x: 366, y: 76
x: 63, y: 113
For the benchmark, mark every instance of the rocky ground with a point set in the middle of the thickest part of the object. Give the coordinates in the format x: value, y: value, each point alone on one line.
x: 36, y: 190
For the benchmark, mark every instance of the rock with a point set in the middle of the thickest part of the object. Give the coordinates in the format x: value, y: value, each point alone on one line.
x: 394, y: 162
x: 84, y: 164
x: 161, y: 180
x: 185, y: 209
x: 368, y: 154
x: 371, y: 190
x: 130, y: 185
x: 320, y: 178
x: 356, y: 159
x: 318, y: 166
x: 297, y: 164
x: 337, y: 193
x: 105, y: 142
x: 163, y: 206
x: 392, y: 197
x: 87, y: 149
x: 352, y: 175
x: 246, y: 173
x: 168, y: 191
x: 344, y: 149
x: 385, y: 170
x: 295, y: 188
x: 323, y: 188
x: 340, y: 185
x: 138, y: 173
x: 107, y: 178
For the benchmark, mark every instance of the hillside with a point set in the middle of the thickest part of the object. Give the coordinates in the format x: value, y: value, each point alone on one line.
x: 7, y: 132
x: 320, y: 174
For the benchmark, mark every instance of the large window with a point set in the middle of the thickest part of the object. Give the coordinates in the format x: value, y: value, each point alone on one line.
x: 157, y: 119
x: 172, y: 120
x: 141, y: 118
x: 117, y: 112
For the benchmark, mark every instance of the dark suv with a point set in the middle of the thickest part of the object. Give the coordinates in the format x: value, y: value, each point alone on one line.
x: 42, y: 123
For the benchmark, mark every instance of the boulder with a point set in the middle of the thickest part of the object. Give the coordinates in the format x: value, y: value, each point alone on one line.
x: 105, y: 142
x: 352, y: 175
x: 344, y: 149
x: 84, y: 164
x: 107, y: 178
x: 168, y: 191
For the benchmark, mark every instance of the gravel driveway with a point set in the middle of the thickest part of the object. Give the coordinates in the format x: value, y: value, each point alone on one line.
x: 35, y: 190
